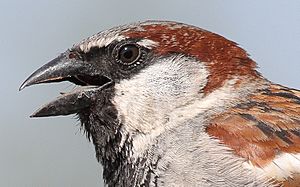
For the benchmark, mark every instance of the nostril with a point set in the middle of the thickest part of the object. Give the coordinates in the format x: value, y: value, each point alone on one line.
x: 72, y: 55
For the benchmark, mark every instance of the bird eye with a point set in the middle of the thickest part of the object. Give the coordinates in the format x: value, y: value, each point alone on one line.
x: 129, y: 53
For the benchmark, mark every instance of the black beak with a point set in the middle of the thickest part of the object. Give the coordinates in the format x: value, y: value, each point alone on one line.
x: 80, y: 72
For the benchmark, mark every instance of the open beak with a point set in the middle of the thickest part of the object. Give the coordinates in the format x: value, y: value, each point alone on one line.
x: 75, y: 70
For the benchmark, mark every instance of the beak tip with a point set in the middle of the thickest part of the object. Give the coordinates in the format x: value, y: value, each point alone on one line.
x: 42, y: 112
x: 22, y: 86
x: 26, y: 83
x: 33, y: 115
x: 38, y: 114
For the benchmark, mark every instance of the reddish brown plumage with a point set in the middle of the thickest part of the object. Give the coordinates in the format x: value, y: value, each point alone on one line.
x: 223, y: 57
x: 263, y: 127
x: 266, y: 124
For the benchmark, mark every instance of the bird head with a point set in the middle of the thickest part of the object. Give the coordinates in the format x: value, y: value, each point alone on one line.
x: 141, y: 78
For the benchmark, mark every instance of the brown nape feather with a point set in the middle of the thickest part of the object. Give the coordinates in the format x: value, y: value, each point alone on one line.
x: 292, y: 182
x: 264, y: 126
x: 222, y: 57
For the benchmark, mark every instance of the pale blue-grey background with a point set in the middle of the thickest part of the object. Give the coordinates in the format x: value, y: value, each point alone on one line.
x: 53, y: 151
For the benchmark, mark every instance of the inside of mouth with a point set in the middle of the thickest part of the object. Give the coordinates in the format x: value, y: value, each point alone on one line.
x: 87, y: 80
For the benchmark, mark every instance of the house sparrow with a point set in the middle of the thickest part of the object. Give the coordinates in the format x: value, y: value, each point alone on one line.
x: 170, y: 104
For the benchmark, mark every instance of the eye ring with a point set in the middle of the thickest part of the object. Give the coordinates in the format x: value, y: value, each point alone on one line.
x: 128, y: 54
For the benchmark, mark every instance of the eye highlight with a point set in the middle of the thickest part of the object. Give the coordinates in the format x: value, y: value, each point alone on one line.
x: 129, y: 53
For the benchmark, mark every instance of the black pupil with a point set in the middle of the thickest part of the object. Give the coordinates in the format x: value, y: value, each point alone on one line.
x: 129, y: 53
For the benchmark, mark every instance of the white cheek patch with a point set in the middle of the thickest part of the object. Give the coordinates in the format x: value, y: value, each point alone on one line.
x: 146, y: 100
x: 281, y: 168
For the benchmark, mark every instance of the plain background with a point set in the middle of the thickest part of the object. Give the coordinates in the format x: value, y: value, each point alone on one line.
x: 53, y: 151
